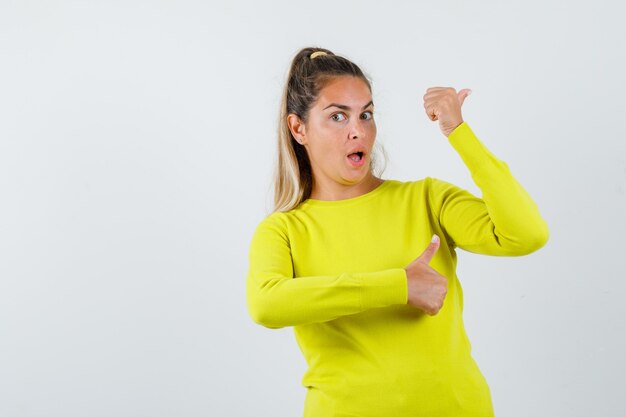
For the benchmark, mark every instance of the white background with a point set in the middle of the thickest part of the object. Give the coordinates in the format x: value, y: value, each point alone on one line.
x: 137, y: 141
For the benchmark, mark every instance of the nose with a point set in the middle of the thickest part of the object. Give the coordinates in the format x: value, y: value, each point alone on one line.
x: 357, y: 130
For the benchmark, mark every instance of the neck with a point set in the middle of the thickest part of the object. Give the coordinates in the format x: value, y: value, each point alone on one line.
x: 332, y: 190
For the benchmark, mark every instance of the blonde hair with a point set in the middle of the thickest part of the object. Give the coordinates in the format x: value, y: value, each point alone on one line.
x: 310, y: 71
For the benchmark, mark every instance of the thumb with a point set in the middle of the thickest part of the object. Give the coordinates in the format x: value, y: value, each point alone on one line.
x: 430, y: 251
x: 462, y: 95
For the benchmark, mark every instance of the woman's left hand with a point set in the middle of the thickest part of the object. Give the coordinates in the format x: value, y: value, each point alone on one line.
x: 444, y: 104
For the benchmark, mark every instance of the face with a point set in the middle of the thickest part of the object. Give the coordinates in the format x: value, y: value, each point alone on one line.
x: 340, y: 123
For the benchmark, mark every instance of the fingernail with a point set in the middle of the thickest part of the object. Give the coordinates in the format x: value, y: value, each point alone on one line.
x: 434, y: 239
x: 469, y: 92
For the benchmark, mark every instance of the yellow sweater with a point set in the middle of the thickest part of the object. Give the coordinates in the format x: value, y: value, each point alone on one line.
x: 334, y: 270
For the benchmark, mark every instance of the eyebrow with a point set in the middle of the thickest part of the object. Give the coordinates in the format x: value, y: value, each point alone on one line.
x: 344, y: 107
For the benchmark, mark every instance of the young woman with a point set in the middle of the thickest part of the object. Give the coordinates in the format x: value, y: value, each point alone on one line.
x: 346, y: 257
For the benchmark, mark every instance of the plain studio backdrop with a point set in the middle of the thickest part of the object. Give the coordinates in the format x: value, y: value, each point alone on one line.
x: 137, y: 142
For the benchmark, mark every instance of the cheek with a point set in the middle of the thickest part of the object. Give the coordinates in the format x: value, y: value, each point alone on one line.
x: 325, y: 152
x: 329, y: 155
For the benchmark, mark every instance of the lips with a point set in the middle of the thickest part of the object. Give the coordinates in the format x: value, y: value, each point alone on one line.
x: 358, y: 149
x: 356, y: 159
x: 356, y: 156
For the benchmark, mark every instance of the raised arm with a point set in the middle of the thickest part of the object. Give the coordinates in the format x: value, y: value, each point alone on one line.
x: 276, y: 298
x: 504, y: 222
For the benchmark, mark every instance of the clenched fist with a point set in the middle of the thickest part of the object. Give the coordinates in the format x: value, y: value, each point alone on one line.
x: 444, y: 104
x: 427, y: 288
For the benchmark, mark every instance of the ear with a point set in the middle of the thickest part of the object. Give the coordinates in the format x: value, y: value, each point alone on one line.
x: 297, y: 127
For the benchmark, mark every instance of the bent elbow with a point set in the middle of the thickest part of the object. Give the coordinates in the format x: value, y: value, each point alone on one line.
x: 259, y: 317
x: 523, y: 244
x: 544, y: 237
x: 538, y: 239
x: 261, y: 313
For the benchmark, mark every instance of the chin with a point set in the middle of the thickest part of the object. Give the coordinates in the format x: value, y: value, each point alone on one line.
x: 356, y: 177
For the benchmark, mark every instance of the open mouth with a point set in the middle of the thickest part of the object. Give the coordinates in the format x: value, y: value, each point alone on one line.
x: 356, y: 157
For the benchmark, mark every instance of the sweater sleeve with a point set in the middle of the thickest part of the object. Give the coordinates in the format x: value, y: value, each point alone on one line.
x: 275, y: 298
x: 504, y: 222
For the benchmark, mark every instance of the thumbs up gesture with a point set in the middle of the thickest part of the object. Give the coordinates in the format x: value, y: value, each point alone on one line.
x: 426, y: 287
x: 444, y: 104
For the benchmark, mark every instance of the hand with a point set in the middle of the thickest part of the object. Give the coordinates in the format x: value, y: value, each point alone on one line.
x: 426, y: 287
x: 444, y: 104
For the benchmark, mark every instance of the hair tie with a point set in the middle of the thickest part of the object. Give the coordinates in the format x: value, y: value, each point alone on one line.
x: 318, y: 53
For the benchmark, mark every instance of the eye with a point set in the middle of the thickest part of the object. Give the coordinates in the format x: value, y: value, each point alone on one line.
x: 370, y: 113
x: 336, y: 114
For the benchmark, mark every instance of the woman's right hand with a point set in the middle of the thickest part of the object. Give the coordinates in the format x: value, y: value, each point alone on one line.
x: 427, y: 288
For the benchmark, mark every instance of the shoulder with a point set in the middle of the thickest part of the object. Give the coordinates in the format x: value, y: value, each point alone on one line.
x: 416, y: 185
x: 272, y: 225
x: 436, y: 183
x: 429, y: 188
x: 270, y: 234
x: 275, y: 220
x: 404, y: 185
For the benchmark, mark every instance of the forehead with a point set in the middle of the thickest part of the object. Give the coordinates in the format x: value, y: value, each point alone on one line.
x: 349, y: 90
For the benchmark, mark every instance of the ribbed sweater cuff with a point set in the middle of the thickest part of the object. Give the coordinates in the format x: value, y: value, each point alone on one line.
x: 383, y: 288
